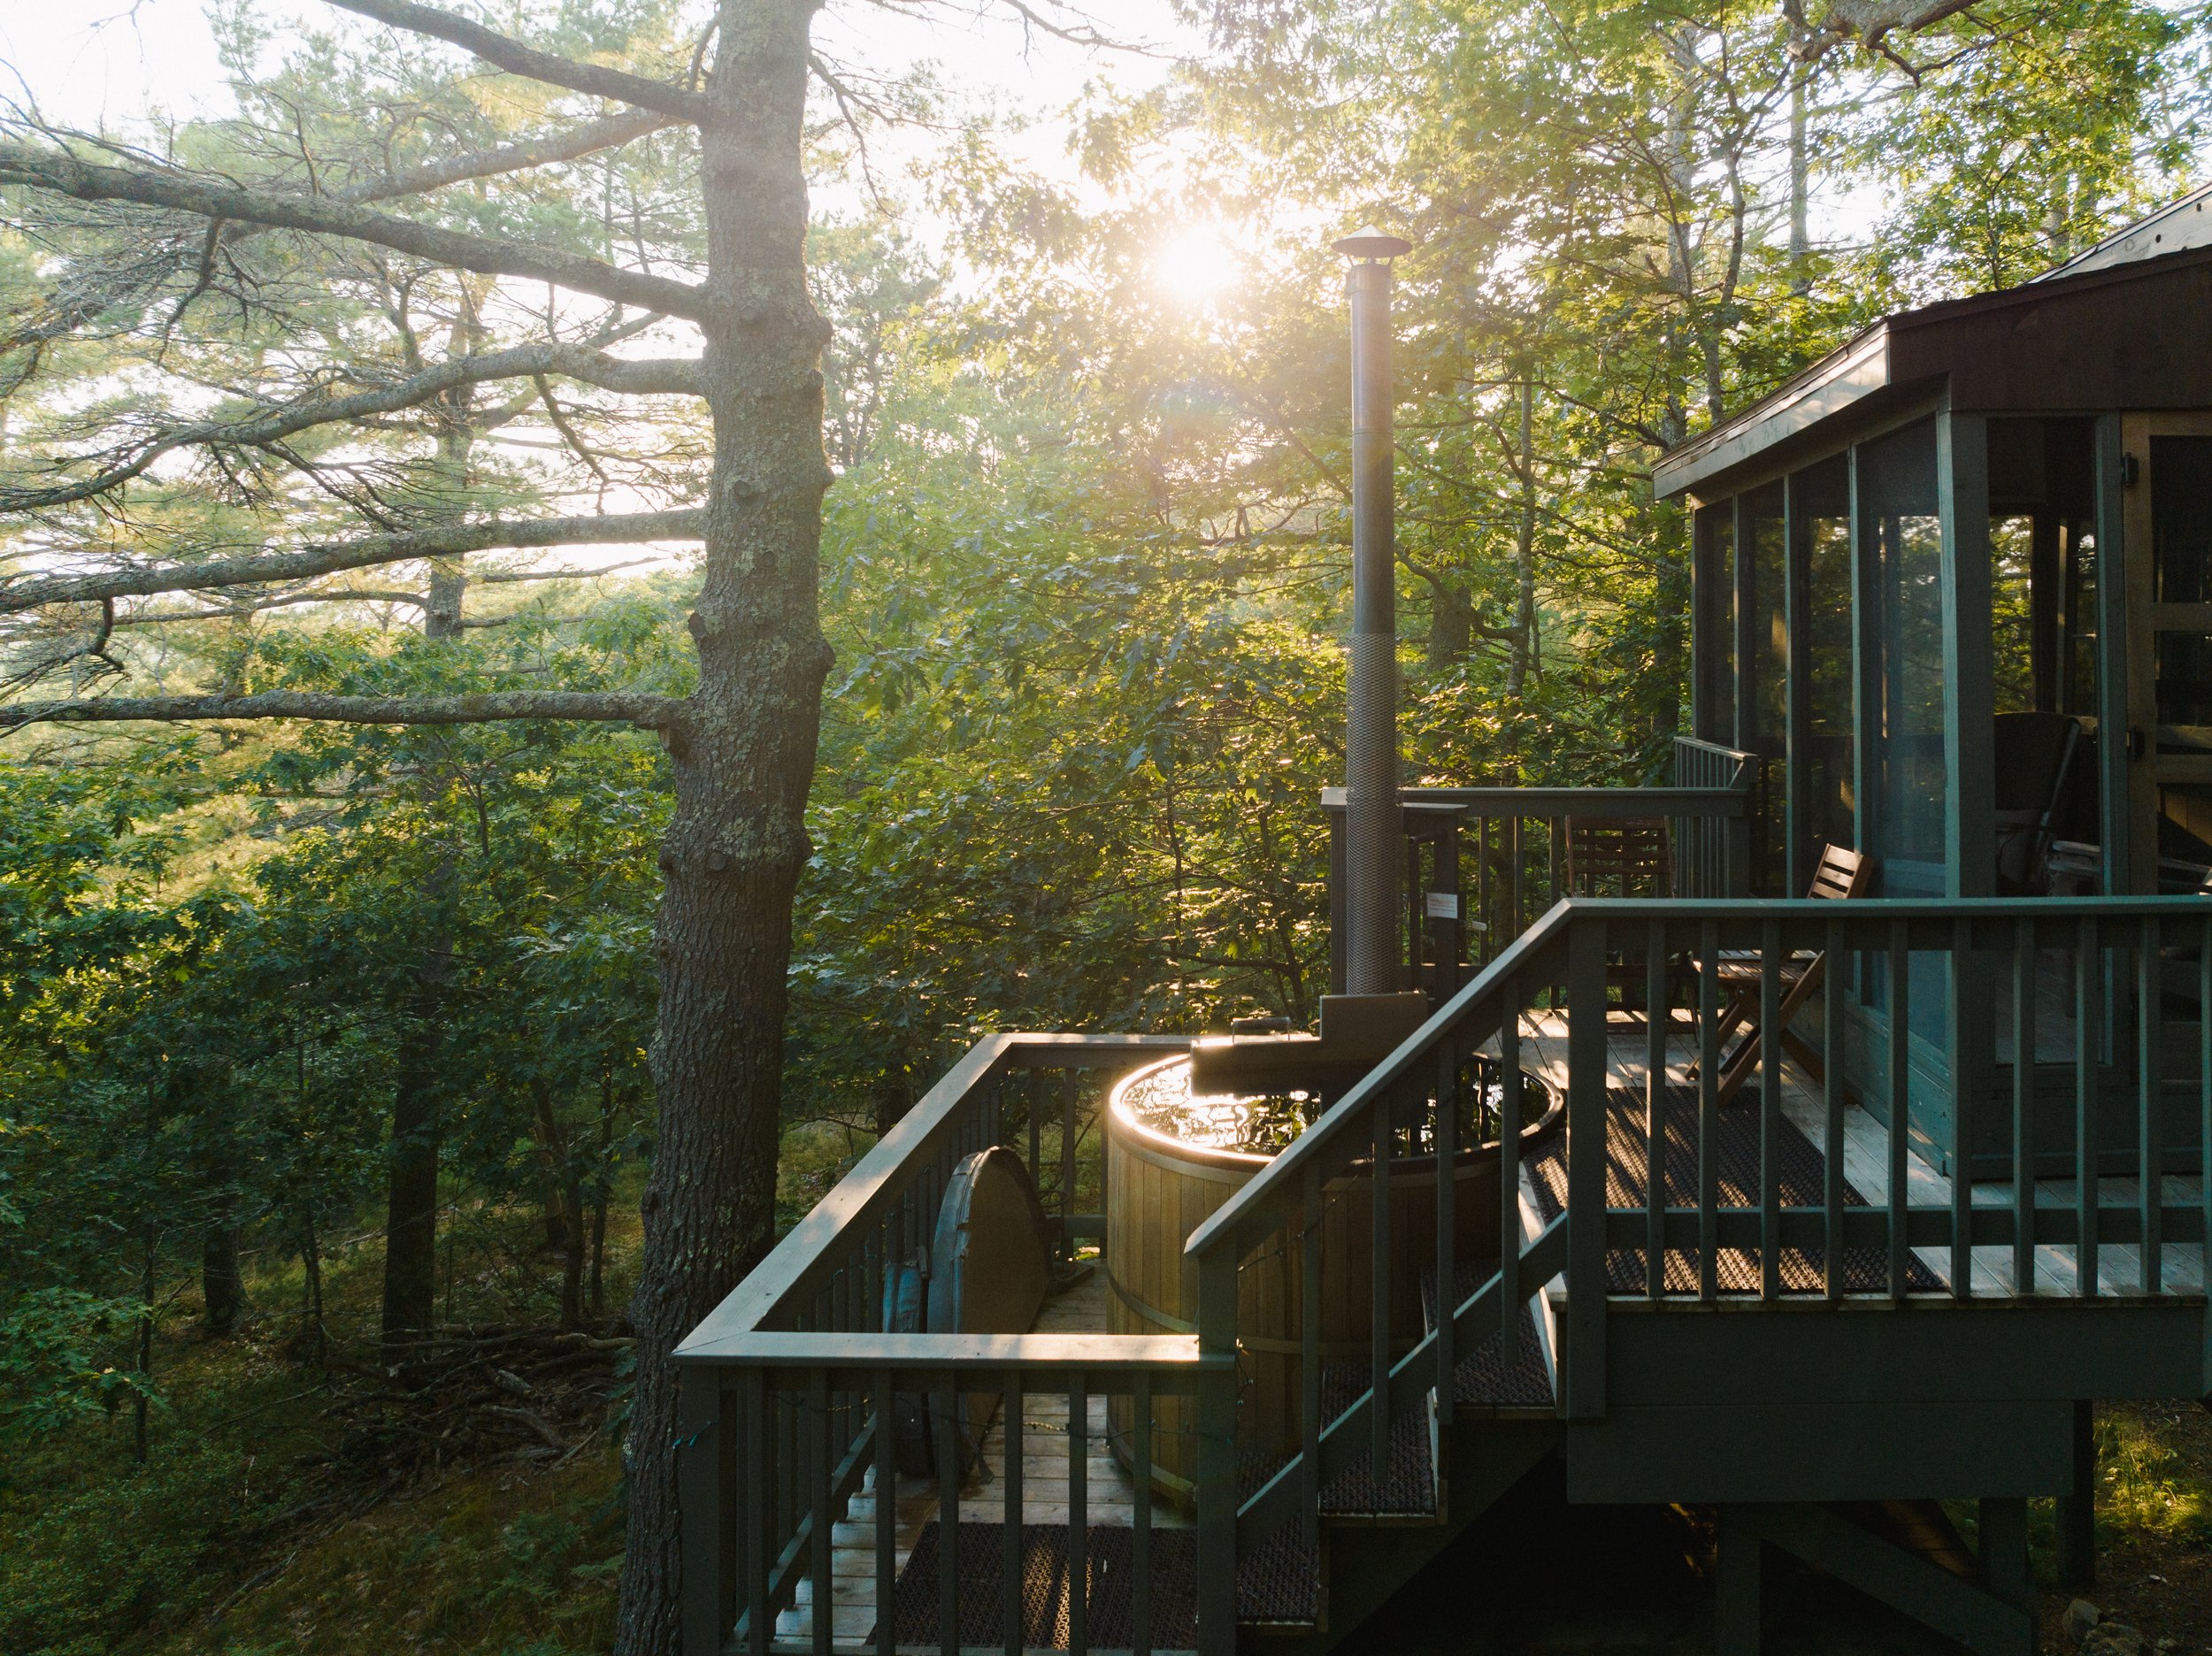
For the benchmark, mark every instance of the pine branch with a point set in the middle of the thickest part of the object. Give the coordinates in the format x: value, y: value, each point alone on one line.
x: 610, y: 706
x: 571, y: 145
x: 273, y: 424
x: 504, y: 52
x: 613, y: 529
x: 65, y: 175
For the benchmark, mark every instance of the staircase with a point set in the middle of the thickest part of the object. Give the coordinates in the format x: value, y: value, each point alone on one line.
x: 1447, y: 1467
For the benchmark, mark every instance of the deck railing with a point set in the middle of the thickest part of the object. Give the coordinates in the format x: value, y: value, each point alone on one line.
x: 788, y: 1476
x: 2128, y: 967
x: 1733, y: 859
x: 1483, y: 864
x: 787, y: 1382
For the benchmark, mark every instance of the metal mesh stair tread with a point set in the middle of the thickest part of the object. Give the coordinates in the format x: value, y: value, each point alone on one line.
x: 1481, y: 1378
x: 1804, y: 1171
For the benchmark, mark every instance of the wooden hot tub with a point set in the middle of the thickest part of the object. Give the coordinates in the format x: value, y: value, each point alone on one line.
x: 1171, y: 1160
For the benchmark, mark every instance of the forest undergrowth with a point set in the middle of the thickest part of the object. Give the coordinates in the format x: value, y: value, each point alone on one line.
x: 301, y: 1500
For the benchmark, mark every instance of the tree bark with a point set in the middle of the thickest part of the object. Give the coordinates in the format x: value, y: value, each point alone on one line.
x: 411, y: 1221
x: 743, y: 749
x: 1801, y: 190
x: 1524, y: 645
x: 222, y: 1285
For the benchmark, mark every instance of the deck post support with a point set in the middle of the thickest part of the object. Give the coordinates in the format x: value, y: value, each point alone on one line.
x: 1959, y: 1609
x: 1216, y: 1479
x: 706, y: 1485
x: 2077, y: 1508
x: 1736, y: 1585
x: 2002, y: 1546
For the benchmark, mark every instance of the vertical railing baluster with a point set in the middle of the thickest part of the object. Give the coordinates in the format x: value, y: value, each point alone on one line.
x: 2023, y: 1108
x: 1447, y: 1135
x: 1769, y: 1109
x: 1516, y: 920
x: 1079, y: 1517
x: 1067, y: 1161
x: 1961, y: 1137
x: 1509, y: 1172
x: 825, y: 1520
x: 2087, y: 964
x: 1708, y: 1112
x: 1140, y: 1540
x: 948, y: 1404
x: 1587, y: 1130
x: 2204, y: 1099
x: 1900, y: 962
x: 760, y: 1542
x: 1309, y: 1352
x: 790, y: 1467
x: 2149, y: 1066
x: 886, y: 1517
x: 1831, y: 1104
x: 1655, y: 1109
x: 1011, y: 1403
x: 1036, y: 1129
x: 1379, y: 1274
x: 1556, y: 862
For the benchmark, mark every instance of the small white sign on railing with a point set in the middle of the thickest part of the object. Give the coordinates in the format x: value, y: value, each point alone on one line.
x: 1443, y: 905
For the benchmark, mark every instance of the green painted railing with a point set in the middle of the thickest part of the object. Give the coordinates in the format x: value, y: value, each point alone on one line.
x: 786, y: 1383
x: 1483, y: 864
x: 2094, y: 989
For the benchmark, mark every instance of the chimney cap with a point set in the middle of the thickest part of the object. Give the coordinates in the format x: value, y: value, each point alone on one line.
x: 1371, y: 243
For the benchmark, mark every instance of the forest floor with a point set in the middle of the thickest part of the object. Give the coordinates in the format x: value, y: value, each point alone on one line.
x: 279, y: 1510
x: 288, y: 1504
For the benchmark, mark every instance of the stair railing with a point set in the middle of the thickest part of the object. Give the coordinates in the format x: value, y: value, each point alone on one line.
x: 1398, y: 1098
x: 2088, y: 1003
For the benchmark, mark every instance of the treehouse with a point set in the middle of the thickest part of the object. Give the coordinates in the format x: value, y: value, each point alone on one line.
x: 1813, y: 1139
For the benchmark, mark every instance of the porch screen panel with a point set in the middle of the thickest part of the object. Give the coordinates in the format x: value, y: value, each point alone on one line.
x: 2181, y: 573
x: 1715, y: 645
x: 1901, y: 561
x: 1821, y: 512
x: 1762, y: 683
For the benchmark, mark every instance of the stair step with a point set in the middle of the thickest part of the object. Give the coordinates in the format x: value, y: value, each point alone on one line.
x: 1482, y: 1378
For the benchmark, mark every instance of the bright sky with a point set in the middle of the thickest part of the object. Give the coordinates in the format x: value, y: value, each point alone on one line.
x: 91, y: 63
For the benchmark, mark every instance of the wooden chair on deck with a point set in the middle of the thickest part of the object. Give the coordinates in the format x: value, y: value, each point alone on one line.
x: 1840, y: 874
x: 1620, y: 856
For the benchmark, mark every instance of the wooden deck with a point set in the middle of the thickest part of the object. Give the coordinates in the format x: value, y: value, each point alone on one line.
x: 1866, y: 1165
x: 1110, y: 1495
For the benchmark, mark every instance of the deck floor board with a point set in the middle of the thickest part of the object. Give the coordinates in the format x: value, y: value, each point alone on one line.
x: 1543, y: 1037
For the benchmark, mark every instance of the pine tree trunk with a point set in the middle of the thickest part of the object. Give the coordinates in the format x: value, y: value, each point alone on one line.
x: 743, y: 754
x: 410, y: 1215
x: 222, y: 1287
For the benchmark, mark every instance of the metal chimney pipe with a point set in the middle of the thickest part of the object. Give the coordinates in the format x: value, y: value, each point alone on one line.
x: 1372, y: 828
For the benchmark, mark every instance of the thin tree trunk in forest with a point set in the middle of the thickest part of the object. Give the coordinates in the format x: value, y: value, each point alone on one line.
x: 1800, y: 184
x: 313, y: 1333
x: 562, y: 1219
x: 410, y: 1224
x: 222, y: 1286
x: 148, y: 1245
x: 743, y: 747
x: 600, y: 1189
x: 1524, y: 644
x: 411, y: 1221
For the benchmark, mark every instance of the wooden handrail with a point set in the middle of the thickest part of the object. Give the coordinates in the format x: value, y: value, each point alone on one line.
x: 815, y: 1247
x: 1574, y: 801
x: 1331, y: 1140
